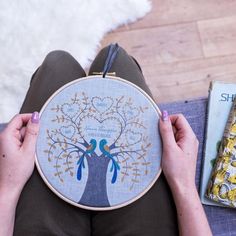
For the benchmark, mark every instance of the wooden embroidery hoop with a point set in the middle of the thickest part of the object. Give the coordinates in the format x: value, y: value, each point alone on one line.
x: 56, y: 191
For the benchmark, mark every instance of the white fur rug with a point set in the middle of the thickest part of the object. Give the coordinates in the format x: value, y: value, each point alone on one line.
x: 31, y: 28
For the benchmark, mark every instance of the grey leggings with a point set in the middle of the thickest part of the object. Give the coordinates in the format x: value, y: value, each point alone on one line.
x: 41, y: 212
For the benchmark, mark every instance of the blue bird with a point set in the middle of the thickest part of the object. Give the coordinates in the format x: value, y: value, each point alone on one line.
x: 90, y: 149
x: 106, y: 151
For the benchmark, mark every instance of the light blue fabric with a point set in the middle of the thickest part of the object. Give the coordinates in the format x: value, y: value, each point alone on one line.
x: 2, y: 126
x: 124, y: 159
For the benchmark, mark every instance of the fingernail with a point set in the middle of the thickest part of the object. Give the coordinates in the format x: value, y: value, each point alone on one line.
x: 35, y: 117
x: 165, y: 115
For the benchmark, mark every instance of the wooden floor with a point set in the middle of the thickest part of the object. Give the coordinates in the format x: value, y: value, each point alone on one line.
x: 182, y: 45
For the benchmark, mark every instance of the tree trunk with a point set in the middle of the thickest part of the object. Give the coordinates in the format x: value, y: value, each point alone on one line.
x: 95, y: 193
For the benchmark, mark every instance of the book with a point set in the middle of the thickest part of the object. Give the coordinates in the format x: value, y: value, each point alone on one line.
x: 222, y: 184
x: 221, y: 97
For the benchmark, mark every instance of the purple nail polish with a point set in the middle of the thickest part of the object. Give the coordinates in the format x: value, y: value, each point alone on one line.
x: 165, y: 116
x: 35, y: 117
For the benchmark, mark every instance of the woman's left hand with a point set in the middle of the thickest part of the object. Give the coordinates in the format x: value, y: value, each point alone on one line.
x: 17, y: 149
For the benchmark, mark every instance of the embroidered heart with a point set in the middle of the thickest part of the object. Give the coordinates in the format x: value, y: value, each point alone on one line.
x: 133, y: 137
x: 130, y: 112
x: 102, y: 104
x: 92, y: 128
x: 68, y: 131
x: 70, y: 110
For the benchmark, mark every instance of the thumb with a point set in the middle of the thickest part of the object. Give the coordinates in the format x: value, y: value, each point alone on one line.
x: 31, y: 133
x: 166, y: 131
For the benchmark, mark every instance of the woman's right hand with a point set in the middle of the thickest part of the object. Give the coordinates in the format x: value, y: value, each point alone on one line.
x: 17, y: 149
x: 180, y: 148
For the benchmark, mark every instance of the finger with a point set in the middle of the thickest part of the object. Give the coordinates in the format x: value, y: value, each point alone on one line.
x: 18, y: 121
x: 181, y: 125
x: 22, y: 133
x: 31, y: 133
x: 174, y: 130
x: 166, y: 131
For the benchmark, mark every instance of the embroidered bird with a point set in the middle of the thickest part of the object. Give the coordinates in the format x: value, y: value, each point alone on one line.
x: 89, y: 150
x: 104, y: 148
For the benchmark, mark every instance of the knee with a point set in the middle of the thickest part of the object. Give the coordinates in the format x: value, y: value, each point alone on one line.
x: 106, y: 49
x: 102, y: 55
x: 55, y: 56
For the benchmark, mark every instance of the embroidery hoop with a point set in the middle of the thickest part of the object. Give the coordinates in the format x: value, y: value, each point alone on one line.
x: 40, y: 168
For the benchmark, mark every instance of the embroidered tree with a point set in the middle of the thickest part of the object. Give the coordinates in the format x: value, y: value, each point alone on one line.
x: 99, y: 135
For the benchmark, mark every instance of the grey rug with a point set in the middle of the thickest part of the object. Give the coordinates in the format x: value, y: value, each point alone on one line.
x: 222, y: 220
